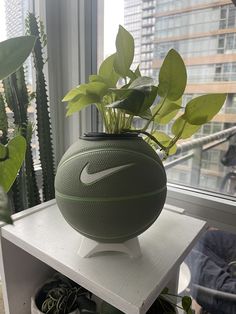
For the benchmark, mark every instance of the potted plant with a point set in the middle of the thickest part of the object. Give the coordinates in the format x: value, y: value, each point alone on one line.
x: 111, y: 186
x: 60, y: 295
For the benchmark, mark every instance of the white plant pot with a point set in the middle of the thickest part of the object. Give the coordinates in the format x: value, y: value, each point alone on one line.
x: 35, y: 310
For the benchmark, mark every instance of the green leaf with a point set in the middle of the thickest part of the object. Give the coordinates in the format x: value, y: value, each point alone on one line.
x: 137, y: 71
x: 137, y: 101
x: 203, y: 108
x: 172, y: 76
x: 132, y: 76
x: 186, y: 303
x: 168, y: 111
x: 147, y: 114
x: 165, y: 140
x: 150, y: 96
x: 187, y: 129
x: 5, y: 214
x: 107, y: 72
x: 133, y: 104
x: 124, y: 52
x: 3, y: 152
x: 10, y: 166
x: 74, y: 92
x: 83, y: 102
x: 96, y: 88
x: 13, y: 52
x: 121, y: 93
x: 96, y: 78
x: 142, y: 81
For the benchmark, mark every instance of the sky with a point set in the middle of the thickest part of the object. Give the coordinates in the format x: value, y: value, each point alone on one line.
x: 113, y: 16
x: 2, y: 21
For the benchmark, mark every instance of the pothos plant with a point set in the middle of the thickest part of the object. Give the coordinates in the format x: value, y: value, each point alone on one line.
x: 121, y: 94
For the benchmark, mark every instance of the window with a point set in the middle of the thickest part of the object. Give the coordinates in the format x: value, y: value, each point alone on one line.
x: 13, y: 25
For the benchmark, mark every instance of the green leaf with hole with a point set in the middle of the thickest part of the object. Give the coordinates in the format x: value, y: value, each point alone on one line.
x: 11, y: 163
x: 107, y: 71
x: 165, y: 140
x: 124, y: 52
x: 182, y: 126
x: 203, y: 108
x: 13, y: 53
x: 172, y: 76
x: 168, y: 111
x: 81, y: 103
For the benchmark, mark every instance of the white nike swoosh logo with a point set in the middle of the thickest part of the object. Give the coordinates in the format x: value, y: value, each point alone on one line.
x: 90, y: 178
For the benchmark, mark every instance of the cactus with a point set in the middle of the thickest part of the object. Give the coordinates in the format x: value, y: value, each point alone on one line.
x: 18, y: 100
x: 42, y: 109
x: 3, y: 121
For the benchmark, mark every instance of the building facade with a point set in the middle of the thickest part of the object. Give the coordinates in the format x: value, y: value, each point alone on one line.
x: 204, y: 33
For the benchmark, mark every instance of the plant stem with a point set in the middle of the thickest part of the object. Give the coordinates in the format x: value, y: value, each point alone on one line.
x: 149, y: 121
x: 176, y: 138
x: 149, y: 135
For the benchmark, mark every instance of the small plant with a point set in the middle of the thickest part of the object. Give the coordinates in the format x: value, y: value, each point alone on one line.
x: 61, y: 295
x: 121, y: 94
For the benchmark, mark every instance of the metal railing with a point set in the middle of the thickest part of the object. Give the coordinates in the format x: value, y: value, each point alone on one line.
x: 196, y: 146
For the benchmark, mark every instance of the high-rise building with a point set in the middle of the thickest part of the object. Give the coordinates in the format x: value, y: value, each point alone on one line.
x: 15, y: 12
x: 204, y: 33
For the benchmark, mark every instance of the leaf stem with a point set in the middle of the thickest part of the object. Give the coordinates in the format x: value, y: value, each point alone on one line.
x: 153, y: 117
x: 149, y: 135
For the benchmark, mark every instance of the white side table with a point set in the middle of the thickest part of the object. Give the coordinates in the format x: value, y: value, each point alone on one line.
x: 40, y: 242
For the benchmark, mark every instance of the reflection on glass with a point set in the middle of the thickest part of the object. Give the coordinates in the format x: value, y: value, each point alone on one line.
x: 212, y: 263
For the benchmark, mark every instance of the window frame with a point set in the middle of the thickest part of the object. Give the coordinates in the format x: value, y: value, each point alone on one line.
x: 72, y: 57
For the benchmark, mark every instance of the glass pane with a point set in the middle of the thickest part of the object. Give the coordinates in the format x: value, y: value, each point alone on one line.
x: 12, y: 17
x: 208, y: 274
x: 205, y: 38
x: 196, y: 33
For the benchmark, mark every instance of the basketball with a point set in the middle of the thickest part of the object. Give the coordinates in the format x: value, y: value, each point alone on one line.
x: 110, y: 188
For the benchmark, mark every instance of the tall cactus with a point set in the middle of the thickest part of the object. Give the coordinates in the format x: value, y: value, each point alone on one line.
x: 42, y: 110
x: 3, y: 121
x: 18, y: 100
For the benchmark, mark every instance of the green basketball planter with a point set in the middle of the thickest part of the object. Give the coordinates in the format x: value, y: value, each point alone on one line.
x: 110, y: 187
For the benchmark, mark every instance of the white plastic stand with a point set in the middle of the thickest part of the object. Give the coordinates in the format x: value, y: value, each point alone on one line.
x: 89, y: 247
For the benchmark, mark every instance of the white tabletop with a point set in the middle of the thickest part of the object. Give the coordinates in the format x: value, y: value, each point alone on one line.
x: 129, y: 284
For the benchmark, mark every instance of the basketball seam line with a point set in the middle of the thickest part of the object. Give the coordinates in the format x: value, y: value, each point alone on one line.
x: 112, y: 150
x: 108, y: 199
